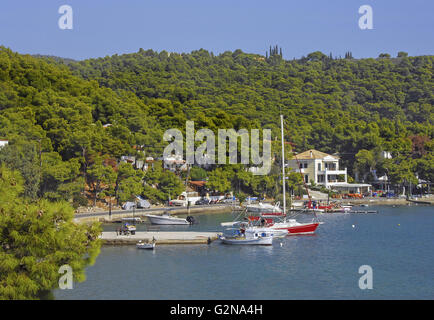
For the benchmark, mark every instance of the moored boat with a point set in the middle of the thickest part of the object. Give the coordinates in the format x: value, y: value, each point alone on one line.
x: 145, y: 245
x: 295, y: 228
x: 249, y: 236
x: 167, y: 219
x: 264, y: 207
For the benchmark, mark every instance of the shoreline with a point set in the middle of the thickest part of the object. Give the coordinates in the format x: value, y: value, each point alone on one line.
x: 104, y: 216
x: 387, y: 201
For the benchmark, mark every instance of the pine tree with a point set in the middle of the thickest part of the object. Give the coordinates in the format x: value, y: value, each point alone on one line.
x: 36, y: 239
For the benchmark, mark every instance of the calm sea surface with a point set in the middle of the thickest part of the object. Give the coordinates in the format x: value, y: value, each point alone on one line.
x: 398, y: 244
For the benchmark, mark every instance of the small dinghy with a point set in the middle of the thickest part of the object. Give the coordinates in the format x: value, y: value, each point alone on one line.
x: 146, y: 245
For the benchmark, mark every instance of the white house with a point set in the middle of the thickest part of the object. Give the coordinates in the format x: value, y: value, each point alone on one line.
x: 319, y: 167
x: 323, y: 169
x: 174, y: 163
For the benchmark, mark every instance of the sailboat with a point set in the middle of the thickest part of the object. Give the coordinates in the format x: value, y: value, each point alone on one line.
x: 291, y: 225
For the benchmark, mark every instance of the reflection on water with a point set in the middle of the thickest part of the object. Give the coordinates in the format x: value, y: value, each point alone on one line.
x: 397, y: 243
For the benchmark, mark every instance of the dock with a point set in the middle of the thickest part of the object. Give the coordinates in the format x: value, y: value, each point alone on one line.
x: 161, y: 237
x: 118, y: 215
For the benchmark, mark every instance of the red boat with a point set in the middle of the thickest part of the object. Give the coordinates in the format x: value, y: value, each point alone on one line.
x: 310, y: 205
x: 293, y: 227
x: 296, y: 228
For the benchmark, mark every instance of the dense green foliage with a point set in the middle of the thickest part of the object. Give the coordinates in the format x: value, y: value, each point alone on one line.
x: 36, y: 239
x: 357, y: 108
x: 333, y: 105
x: 68, y: 124
x: 54, y: 122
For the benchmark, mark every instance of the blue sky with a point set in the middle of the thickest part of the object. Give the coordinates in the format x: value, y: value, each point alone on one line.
x: 106, y: 27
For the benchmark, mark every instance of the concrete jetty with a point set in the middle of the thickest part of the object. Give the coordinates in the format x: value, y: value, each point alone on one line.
x: 161, y: 237
x: 119, y: 214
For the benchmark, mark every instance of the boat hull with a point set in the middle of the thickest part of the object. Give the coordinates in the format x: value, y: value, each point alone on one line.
x: 263, y: 208
x: 307, y: 228
x: 162, y: 220
x: 265, y: 241
x: 148, y: 246
x: 276, y: 233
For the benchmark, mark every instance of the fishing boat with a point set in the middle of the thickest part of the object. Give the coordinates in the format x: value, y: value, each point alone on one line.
x: 276, y: 233
x: 167, y: 219
x: 262, y: 226
x: 248, y: 236
x: 145, y: 245
x: 313, y: 206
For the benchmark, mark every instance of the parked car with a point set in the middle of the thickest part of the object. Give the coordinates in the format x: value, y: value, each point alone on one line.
x: 202, y: 201
x: 142, y: 203
x: 228, y: 200
x: 129, y: 205
x: 138, y: 203
x: 178, y: 203
x: 388, y: 195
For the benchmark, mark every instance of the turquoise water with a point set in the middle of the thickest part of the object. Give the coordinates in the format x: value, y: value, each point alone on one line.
x: 398, y: 244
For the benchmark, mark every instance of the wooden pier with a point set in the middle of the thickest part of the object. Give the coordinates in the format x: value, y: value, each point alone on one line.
x: 161, y: 237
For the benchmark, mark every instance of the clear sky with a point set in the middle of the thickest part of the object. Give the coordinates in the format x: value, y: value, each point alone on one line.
x: 106, y: 27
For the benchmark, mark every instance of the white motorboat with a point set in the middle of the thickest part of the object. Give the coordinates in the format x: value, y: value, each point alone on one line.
x: 145, y: 245
x: 276, y: 233
x: 249, y: 236
x: 166, y: 218
x: 264, y: 207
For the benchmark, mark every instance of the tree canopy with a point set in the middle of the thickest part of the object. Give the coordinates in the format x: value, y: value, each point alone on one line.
x: 77, y: 111
x: 37, y: 239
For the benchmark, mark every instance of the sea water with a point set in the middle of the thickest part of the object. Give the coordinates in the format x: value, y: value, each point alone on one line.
x: 397, y: 244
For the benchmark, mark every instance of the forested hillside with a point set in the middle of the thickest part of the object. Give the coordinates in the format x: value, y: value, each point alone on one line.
x: 69, y: 121
x: 54, y: 122
x: 333, y: 105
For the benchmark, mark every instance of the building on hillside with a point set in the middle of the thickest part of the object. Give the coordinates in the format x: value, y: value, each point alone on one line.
x: 319, y: 167
x: 198, y: 186
x: 323, y: 169
x: 139, y: 164
x: 174, y: 163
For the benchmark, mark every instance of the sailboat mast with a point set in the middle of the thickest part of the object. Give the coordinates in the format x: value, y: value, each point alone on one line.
x: 283, y: 166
